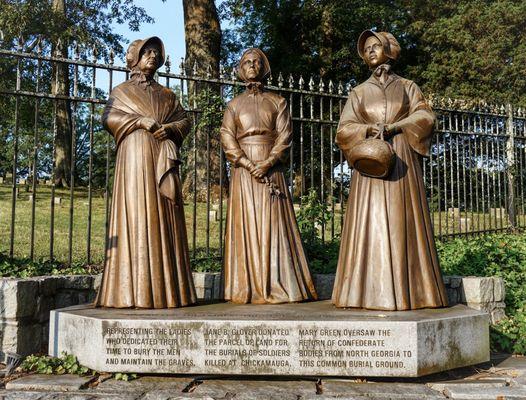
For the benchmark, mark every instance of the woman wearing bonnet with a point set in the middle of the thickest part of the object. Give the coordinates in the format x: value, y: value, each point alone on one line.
x: 147, y: 261
x: 388, y: 259
x: 264, y: 261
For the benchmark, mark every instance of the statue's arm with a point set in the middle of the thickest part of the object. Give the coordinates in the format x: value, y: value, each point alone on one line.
x: 284, y: 134
x: 233, y: 151
x: 418, y: 125
x: 350, y: 128
x: 119, y: 123
x: 180, y: 126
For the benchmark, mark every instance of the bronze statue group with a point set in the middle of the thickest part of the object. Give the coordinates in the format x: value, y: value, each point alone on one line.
x: 387, y: 259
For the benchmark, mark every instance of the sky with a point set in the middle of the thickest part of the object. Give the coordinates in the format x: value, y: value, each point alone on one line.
x: 168, y: 25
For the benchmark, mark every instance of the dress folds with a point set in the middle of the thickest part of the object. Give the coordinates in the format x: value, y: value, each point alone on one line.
x: 388, y: 258
x: 147, y: 261
x: 264, y: 260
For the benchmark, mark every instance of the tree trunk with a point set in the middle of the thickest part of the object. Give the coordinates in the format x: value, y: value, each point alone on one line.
x: 203, y: 48
x: 60, y: 86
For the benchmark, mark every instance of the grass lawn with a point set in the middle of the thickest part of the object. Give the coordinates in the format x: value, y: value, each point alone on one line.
x: 80, y: 224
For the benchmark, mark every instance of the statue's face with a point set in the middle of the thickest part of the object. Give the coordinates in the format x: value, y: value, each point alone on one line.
x: 373, y: 52
x: 149, y: 58
x: 251, y: 66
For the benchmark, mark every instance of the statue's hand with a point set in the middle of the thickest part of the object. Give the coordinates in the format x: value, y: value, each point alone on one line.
x: 149, y: 124
x: 373, y: 129
x: 161, y: 133
x: 391, y: 129
x: 247, y: 164
x: 261, y: 169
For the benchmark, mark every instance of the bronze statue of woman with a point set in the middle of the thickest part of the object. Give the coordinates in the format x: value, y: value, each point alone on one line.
x: 264, y: 260
x: 388, y: 259
x: 147, y: 261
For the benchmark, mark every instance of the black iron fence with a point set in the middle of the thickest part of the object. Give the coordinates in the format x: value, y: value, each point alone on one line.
x: 56, y: 163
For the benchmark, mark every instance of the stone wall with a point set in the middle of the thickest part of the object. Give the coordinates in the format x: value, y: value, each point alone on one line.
x: 25, y: 303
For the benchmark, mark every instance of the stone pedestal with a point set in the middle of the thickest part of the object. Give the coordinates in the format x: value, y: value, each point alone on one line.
x: 291, y: 339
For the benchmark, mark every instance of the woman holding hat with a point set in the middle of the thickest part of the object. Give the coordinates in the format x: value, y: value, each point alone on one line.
x: 388, y: 259
x: 147, y: 262
x: 264, y: 261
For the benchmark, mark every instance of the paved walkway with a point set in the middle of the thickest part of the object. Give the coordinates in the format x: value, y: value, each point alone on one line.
x: 501, y: 379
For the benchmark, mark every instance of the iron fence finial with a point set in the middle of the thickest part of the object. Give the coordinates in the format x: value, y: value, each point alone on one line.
x: 301, y: 82
x: 311, y: 83
x: 95, y: 53
x: 39, y: 46
x: 167, y: 64
x: 182, y: 68
x: 291, y: 81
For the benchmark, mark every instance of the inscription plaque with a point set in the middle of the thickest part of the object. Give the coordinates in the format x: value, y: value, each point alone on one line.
x: 226, y: 339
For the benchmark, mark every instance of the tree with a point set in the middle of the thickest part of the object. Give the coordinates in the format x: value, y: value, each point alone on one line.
x: 471, y: 48
x: 466, y: 48
x: 306, y: 36
x: 58, y: 24
x: 203, y: 50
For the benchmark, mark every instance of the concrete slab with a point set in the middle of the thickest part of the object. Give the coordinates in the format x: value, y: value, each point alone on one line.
x: 52, y: 383
x: 33, y: 395
x: 307, y: 339
x: 144, y: 384
x: 513, y: 363
x: 391, y: 390
x: 470, y: 383
x: 470, y: 393
x: 255, y: 389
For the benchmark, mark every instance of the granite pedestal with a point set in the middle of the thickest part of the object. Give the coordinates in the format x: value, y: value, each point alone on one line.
x: 291, y: 339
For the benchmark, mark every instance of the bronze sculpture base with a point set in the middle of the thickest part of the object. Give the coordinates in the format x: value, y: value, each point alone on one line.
x: 309, y: 339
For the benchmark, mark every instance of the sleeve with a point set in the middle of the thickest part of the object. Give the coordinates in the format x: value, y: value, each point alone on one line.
x: 117, y: 122
x: 351, y: 128
x: 418, y: 125
x: 233, y: 152
x: 180, y: 127
x: 284, y: 134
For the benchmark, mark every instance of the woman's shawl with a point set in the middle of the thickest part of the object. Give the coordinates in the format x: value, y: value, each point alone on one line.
x: 128, y: 103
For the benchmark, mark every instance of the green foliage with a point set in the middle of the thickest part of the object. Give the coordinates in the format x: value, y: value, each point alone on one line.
x: 67, y: 364
x: 203, y: 262
x: 25, y: 268
x: 500, y: 255
x: 87, y: 22
x: 510, y: 334
x: 119, y: 376
x: 471, y: 48
x: 465, y: 48
x: 324, y: 32
x: 313, y: 214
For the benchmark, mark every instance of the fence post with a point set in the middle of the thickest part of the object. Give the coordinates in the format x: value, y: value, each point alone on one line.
x: 510, y: 170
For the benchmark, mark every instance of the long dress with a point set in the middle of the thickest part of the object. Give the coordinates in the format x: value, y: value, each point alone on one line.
x: 147, y: 259
x: 388, y: 258
x: 264, y: 260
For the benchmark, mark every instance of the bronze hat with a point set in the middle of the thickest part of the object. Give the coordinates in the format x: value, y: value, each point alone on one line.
x: 265, y: 71
x: 135, y: 47
x: 390, y: 44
